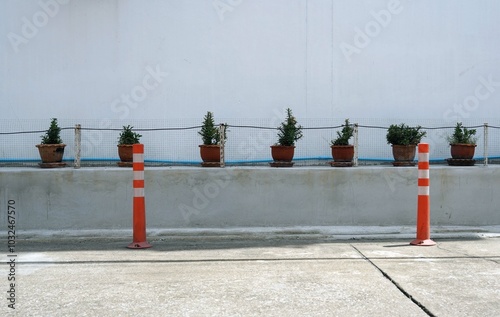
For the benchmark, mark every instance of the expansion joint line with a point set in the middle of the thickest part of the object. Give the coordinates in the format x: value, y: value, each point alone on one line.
x: 399, y: 287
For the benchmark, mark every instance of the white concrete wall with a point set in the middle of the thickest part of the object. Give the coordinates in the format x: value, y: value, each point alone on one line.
x: 108, y: 63
x: 125, y: 59
x: 66, y: 199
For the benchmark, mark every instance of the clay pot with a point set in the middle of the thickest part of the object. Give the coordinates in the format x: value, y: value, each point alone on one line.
x: 125, y: 152
x: 342, y: 153
x: 462, y: 151
x: 210, y: 153
x: 404, y: 153
x: 51, y: 153
x: 282, y: 153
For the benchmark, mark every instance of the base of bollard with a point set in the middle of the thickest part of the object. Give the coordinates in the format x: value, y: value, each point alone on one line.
x: 425, y: 243
x: 139, y: 245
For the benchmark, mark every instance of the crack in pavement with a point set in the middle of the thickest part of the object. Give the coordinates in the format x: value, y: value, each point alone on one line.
x: 399, y: 287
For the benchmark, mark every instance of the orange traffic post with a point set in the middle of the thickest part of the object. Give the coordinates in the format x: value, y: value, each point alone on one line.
x: 139, y: 203
x: 423, y: 201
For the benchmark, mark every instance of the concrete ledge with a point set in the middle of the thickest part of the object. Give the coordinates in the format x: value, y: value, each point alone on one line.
x: 191, y: 197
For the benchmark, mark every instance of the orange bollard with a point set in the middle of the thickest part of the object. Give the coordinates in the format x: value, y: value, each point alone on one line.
x: 423, y: 201
x: 139, y: 203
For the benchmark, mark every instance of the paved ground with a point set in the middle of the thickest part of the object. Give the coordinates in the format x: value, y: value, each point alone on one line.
x: 182, y: 276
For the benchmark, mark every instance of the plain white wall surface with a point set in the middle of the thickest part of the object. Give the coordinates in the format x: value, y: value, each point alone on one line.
x: 244, y: 59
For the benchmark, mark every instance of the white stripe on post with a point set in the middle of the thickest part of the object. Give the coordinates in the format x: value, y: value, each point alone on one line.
x: 138, y: 192
x: 423, y: 173
x: 423, y: 190
x: 138, y: 157
x: 423, y: 157
x: 138, y: 175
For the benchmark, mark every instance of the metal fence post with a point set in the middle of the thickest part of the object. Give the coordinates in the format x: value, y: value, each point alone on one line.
x: 78, y: 145
x: 222, y: 141
x: 355, y: 160
x: 485, y: 135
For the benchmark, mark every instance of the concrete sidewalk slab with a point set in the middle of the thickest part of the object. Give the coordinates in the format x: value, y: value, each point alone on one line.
x: 260, y: 277
x: 455, y: 278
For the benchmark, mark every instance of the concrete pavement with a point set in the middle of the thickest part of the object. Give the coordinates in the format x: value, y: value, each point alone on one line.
x: 236, y: 276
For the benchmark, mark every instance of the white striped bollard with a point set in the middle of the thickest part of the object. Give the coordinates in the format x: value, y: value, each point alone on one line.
x: 139, y: 203
x: 423, y: 201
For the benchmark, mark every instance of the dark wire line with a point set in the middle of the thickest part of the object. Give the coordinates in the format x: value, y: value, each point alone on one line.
x: 425, y: 128
x: 322, y: 128
x: 249, y: 127
x: 22, y: 132
x: 237, y: 126
x: 372, y: 127
x: 143, y: 129
x: 102, y: 129
x: 269, y: 128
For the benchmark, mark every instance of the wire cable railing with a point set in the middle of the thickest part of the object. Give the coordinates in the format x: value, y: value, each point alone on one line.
x: 248, y: 144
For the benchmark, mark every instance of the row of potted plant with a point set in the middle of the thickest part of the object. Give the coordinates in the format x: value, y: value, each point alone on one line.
x: 404, y: 140
x: 402, y: 137
x: 51, y: 148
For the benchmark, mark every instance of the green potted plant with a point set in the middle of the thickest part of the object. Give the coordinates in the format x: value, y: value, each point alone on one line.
x: 462, y: 143
x: 404, y: 140
x: 126, y: 140
x: 210, y: 150
x: 342, y: 151
x: 51, y: 148
x: 288, y: 133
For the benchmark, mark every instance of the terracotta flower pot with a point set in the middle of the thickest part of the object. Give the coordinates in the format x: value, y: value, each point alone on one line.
x: 462, y: 151
x: 281, y: 153
x: 404, y: 154
x: 51, y: 153
x: 125, y: 152
x: 210, y: 153
x: 342, y: 153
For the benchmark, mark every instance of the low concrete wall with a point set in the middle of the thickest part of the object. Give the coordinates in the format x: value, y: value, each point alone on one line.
x: 190, y: 197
